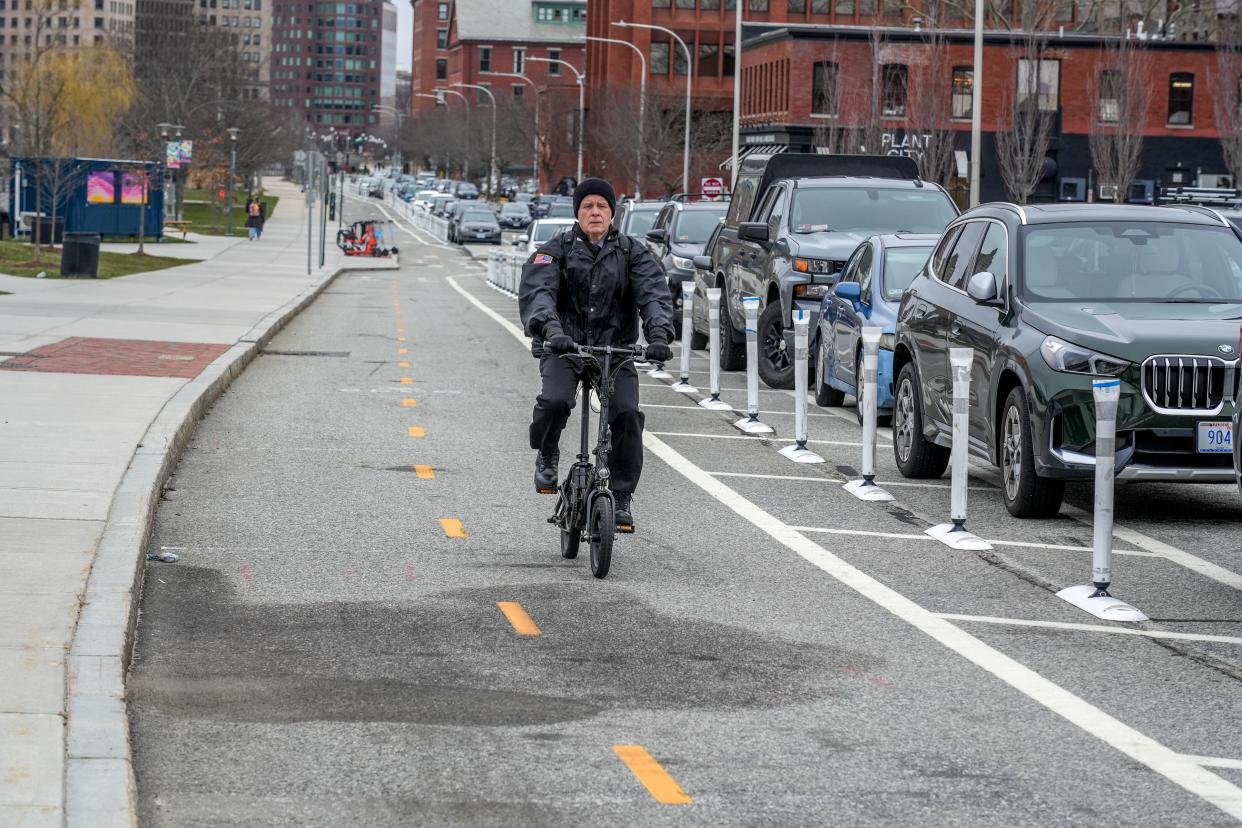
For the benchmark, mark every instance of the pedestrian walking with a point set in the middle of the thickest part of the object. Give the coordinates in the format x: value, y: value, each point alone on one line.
x: 262, y: 216
x: 254, y: 219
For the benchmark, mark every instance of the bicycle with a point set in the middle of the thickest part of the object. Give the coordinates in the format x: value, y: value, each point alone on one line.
x: 584, y: 504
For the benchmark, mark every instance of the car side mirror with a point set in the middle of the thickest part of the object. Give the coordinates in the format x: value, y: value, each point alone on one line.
x: 522, y: 240
x: 755, y: 231
x: 657, y: 235
x: 982, y: 288
x: 703, y: 262
x: 849, y: 291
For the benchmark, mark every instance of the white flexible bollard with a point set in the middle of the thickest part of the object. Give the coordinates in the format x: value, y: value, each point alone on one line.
x: 714, y: 310
x: 954, y: 533
x: 798, y: 452
x: 1094, y: 597
x: 687, y: 332
x: 866, y: 488
x: 750, y: 424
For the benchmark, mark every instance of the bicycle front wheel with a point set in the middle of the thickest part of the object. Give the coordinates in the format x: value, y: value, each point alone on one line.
x: 603, y: 526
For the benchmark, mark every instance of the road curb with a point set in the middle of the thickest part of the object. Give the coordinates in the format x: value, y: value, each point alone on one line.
x: 99, y: 779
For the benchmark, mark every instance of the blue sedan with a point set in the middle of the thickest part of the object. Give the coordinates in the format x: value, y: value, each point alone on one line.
x: 868, y: 294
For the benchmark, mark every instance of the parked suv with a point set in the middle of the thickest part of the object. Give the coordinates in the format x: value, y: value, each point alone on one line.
x: 635, y: 218
x: 680, y: 233
x: 1051, y: 297
x: 793, y: 221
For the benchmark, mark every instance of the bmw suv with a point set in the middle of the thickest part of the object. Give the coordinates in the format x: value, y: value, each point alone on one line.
x: 1051, y: 297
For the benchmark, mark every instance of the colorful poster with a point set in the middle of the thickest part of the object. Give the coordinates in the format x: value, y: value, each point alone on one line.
x: 172, y: 155
x: 131, y: 188
x: 100, y: 188
x: 187, y: 152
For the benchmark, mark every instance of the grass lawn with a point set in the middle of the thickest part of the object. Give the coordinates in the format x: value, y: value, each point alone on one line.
x: 205, y: 219
x: 16, y: 257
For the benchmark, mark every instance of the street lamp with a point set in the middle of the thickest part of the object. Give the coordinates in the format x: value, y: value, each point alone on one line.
x: 642, y: 106
x: 232, y: 131
x: 535, y: 163
x: 685, y: 158
x: 465, y: 173
x: 976, y: 105
x: 492, y: 176
x: 581, y: 104
x: 397, y: 140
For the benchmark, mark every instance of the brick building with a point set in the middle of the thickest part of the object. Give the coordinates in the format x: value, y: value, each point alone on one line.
x: 801, y: 85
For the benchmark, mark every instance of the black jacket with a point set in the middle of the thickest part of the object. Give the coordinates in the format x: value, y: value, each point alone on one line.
x: 597, y: 299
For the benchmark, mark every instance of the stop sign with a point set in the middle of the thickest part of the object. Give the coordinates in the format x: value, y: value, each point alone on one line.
x: 712, y: 187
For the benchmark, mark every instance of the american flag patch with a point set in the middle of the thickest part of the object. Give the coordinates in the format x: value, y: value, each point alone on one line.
x: 542, y: 258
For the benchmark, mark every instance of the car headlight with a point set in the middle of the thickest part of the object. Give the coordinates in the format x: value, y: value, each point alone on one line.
x: 888, y: 342
x: 810, y: 291
x: 683, y: 264
x: 1073, y: 359
x: 814, y: 265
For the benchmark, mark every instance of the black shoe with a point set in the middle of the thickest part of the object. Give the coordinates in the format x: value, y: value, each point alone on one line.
x: 625, y: 518
x: 546, y: 471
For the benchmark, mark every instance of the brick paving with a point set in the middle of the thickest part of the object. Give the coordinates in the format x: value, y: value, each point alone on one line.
x: 120, y: 357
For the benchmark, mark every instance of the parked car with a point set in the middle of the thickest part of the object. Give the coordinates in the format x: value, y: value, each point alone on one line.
x: 476, y: 223
x: 680, y: 232
x: 539, y: 205
x: 425, y: 198
x: 635, y: 218
x: 455, y: 212
x: 793, y: 221
x: 867, y: 295
x: 466, y: 190
x: 540, y: 232
x: 514, y: 215
x: 439, y: 204
x: 1050, y: 298
x: 560, y: 207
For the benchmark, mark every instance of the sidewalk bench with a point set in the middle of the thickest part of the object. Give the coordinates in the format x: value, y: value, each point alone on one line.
x: 182, y: 227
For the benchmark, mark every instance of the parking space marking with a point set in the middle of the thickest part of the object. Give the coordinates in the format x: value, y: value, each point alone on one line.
x: 768, y: 438
x: 1213, y: 761
x: 839, y: 480
x: 417, y: 431
x: 658, y: 782
x: 425, y: 472
x: 409, y: 402
x: 453, y: 528
x: 1100, y: 628
x: 521, y: 621
x: 738, y: 410
x: 825, y: 530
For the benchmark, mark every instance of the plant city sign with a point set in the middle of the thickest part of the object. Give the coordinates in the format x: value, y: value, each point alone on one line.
x: 910, y: 145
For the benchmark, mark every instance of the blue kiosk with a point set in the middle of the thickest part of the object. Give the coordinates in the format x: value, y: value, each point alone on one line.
x: 96, y: 195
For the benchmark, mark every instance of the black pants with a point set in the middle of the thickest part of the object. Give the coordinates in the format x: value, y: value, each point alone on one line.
x: 556, y: 400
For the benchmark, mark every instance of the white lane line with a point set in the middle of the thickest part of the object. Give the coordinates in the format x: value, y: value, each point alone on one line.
x: 739, y: 410
x: 838, y: 480
x: 1090, y: 719
x: 723, y: 391
x: 504, y: 323
x: 745, y: 437
x: 1100, y: 628
x: 1022, y: 544
x: 1214, y: 761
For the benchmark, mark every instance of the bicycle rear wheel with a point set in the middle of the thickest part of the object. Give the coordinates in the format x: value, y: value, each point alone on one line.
x: 602, y: 528
x: 569, y: 542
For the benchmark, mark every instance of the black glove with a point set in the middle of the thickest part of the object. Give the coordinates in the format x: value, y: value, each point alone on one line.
x: 562, y: 344
x: 658, y: 350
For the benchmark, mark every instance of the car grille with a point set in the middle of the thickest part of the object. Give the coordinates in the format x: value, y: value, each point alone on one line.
x: 1184, y: 384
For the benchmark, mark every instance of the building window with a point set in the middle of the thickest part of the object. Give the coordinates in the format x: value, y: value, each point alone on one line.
x: 442, y: 11
x: 659, y: 4
x: 963, y: 102
x: 442, y: 38
x: 519, y: 91
x: 685, y: 4
x: 824, y: 88
x: 441, y: 69
x: 519, y: 60
x: 485, y: 58
x: 757, y: 5
x: 659, y: 58
x: 709, y: 5
x: 554, y: 55
x: 1040, y: 79
x: 893, y: 100
x: 1181, y: 99
x: 679, y: 60
x: 797, y: 6
x: 709, y: 60
x: 1110, y: 96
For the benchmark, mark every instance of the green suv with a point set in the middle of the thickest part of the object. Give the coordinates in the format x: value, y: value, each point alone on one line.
x: 1050, y: 297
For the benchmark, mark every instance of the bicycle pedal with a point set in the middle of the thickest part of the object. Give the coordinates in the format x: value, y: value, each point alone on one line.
x: 625, y: 528
x: 545, y: 491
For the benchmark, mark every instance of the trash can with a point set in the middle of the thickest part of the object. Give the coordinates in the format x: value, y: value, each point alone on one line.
x: 50, y: 232
x: 80, y: 255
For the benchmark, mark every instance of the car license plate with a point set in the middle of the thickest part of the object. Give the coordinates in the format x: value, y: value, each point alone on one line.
x: 482, y: 234
x: 1215, y: 437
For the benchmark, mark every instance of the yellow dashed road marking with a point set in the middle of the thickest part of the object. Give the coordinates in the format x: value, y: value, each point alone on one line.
x: 407, y: 380
x: 659, y: 783
x: 408, y: 402
x: 418, y: 431
x: 425, y: 472
x: 522, y: 623
x: 403, y: 350
x: 452, y: 528
x: 403, y: 364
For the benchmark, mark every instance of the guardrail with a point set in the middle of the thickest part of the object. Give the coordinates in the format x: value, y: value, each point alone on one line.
x: 504, y: 271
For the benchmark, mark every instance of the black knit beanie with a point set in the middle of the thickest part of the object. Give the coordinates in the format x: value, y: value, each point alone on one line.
x: 594, y: 186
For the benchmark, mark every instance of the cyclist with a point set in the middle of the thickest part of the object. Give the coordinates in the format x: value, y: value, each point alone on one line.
x: 590, y: 285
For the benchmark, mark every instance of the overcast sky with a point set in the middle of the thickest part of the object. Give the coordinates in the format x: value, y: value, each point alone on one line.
x: 405, y: 34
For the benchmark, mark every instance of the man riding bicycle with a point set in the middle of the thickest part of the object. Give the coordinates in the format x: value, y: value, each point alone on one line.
x: 590, y: 285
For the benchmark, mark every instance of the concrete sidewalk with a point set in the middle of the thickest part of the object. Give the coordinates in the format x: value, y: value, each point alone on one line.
x: 101, y: 383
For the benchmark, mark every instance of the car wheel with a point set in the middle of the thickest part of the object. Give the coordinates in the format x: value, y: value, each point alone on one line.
x: 732, y: 352
x: 825, y: 395
x: 1026, y: 494
x: 917, y: 457
x: 775, y: 357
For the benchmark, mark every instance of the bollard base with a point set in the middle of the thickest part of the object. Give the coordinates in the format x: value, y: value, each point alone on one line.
x: 749, y: 426
x: 1104, y: 607
x: 799, y: 454
x: 869, y: 492
x: 683, y: 387
x: 715, y: 405
x: 659, y: 373
x: 954, y: 538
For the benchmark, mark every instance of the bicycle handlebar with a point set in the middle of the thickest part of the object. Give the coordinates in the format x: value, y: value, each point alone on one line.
x: 636, y: 351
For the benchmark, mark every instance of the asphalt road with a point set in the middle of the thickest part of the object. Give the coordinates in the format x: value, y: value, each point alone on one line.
x: 331, y: 649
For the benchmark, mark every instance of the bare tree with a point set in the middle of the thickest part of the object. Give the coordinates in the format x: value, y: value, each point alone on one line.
x: 1227, y: 102
x: 1122, y: 95
x: 1022, y: 143
x: 931, y: 108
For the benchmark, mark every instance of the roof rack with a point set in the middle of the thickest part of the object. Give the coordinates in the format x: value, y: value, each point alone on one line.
x: 1202, y: 196
x: 1199, y: 208
x: 1009, y: 205
x: 687, y: 198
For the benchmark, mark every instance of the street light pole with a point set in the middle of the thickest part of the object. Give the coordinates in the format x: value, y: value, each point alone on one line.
x: 737, y: 93
x: 535, y: 163
x: 976, y: 105
x: 491, y: 180
x: 685, y: 158
x: 232, y: 131
x: 642, y: 108
x: 581, y: 103
x: 397, y: 138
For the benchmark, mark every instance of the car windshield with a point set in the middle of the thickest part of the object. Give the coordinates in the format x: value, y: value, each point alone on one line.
x: 1132, y: 261
x: 545, y: 230
x: 517, y: 209
x: 870, y: 210
x: 695, y: 226
x: 642, y: 220
x: 478, y: 216
x: 561, y: 211
x: 901, y: 265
